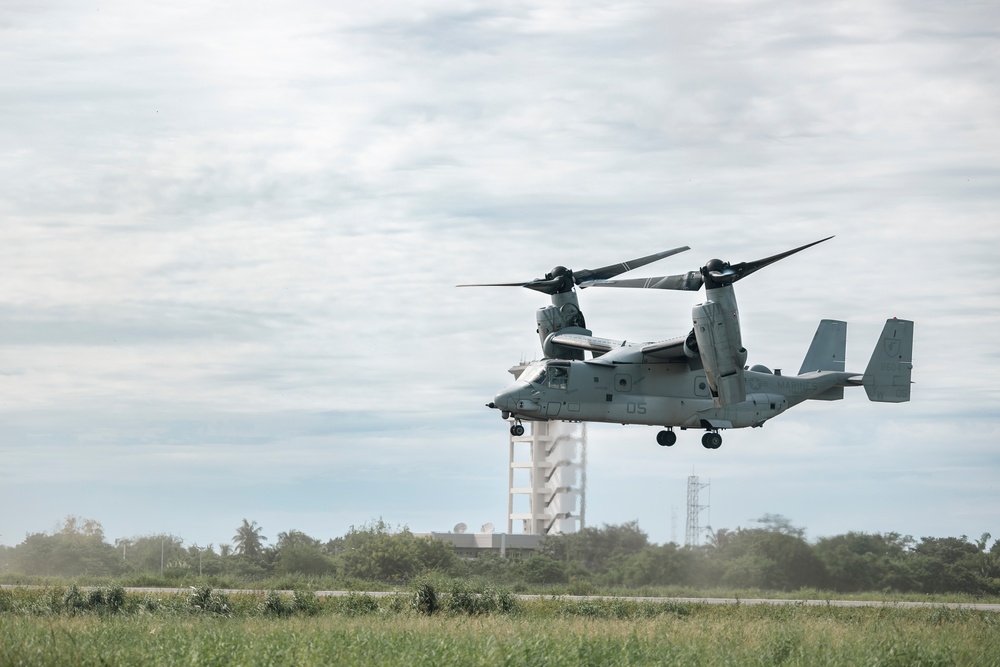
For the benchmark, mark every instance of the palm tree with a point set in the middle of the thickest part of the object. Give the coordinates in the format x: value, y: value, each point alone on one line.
x: 718, y: 539
x: 248, y: 540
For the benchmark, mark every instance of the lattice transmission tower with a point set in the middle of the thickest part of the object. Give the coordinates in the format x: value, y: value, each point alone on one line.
x: 693, y: 534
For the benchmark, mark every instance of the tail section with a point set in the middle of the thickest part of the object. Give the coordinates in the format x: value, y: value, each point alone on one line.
x: 827, y: 353
x: 887, y: 378
x: 828, y: 349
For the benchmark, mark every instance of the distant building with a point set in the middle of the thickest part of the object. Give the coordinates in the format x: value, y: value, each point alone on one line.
x: 473, y: 545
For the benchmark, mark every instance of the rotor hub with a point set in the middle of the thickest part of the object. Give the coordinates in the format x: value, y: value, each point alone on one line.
x: 715, y: 265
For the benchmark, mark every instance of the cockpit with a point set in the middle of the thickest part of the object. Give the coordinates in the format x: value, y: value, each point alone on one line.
x: 551, y: 375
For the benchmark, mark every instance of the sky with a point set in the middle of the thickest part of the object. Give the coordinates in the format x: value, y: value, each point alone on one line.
x: 230, y: 235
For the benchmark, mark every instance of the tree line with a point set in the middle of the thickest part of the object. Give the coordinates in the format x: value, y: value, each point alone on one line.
x: 771, y: 555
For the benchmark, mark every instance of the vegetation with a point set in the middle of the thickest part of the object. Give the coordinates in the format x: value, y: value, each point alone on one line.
x: 59, y: 626
x: 772, y: 556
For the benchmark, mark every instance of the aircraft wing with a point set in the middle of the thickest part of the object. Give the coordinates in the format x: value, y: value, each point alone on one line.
x: 663, y: 350
x: 666, y: 349
x: 592, y: 343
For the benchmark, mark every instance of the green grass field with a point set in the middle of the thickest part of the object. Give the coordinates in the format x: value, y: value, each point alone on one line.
x: 64, y: 626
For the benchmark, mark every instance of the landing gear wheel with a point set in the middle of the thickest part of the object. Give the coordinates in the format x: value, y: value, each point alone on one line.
x: 666, y: 438
x: 711, y: 440
x: 517, y: 430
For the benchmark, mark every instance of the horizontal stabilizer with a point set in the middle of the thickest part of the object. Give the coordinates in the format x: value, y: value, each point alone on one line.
x: 887, y: 378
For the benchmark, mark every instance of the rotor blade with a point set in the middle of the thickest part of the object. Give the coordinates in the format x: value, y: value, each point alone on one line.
x: 613, y: 270
x: 549, y: 286
x: 521, y: 284
x: 539, y: 285
x: 739, y: 271
x: 689, y: 282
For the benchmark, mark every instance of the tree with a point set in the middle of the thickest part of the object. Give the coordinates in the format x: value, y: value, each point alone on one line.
x: 949, y: 565
x: 659, y: 565
x: 148, y: 552
x: 989, y: 559
x: 718, y: 539
x: 248, y: 541
x: 78, y: 547
x: 771, y: 560
x: 204, y: 560
x: 778, y: 523
x: 866, y: 562
x: 540, y: 569
x: 597, y: 549
x: 376, y: 553
x: 295, y: 538
x: 296, y: 552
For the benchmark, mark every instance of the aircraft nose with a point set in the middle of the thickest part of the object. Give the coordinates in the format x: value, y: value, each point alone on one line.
x: 516, y: 399
x: 506, y: 400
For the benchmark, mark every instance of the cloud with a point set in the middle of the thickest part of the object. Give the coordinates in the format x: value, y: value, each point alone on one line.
x: 230, y: 243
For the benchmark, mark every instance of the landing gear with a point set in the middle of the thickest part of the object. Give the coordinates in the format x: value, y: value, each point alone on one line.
x: 517, y: 430
x: 711, y: 440
x: 666, y: 438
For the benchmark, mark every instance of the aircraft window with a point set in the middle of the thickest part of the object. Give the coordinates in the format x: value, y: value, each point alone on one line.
x: 534, y: 375
x: 558, y: 375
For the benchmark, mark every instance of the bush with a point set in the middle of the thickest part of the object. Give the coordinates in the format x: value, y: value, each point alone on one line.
x: 540, y: 569
x: 114, y: 599
x: 622, y: 609
x: 425, y: 599
x: 204, y: 599
x: 274, y: 605
x: 109, y: 600
x: 358, y: 604
x: 500, y: 601
x: 464, y: 600
x: 305, y: 602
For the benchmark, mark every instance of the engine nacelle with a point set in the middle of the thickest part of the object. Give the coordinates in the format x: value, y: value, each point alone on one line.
x: 691, y: 346
x: 717, y: 331
x: 562, y: 316
x: 550, y: 320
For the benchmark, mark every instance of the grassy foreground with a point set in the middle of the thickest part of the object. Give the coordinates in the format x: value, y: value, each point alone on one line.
x: 53, y: 628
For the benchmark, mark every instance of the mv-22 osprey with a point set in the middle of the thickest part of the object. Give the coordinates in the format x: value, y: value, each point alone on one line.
x: 696, y: 381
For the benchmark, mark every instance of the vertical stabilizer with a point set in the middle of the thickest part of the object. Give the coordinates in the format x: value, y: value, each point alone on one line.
x: 828, y: 348
x: 887, y: 378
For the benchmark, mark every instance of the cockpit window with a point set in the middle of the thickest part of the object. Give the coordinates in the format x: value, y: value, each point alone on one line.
x: 533, y: 375
x: 558, y: 376
x: 552, y: 376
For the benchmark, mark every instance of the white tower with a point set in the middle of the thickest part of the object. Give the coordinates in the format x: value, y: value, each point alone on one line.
x: 548, y: 464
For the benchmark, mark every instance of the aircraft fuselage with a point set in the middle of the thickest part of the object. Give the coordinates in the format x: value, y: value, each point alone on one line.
x: 655, y: 394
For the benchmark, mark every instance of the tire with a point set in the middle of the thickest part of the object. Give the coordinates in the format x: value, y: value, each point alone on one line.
x: 666, y: 438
